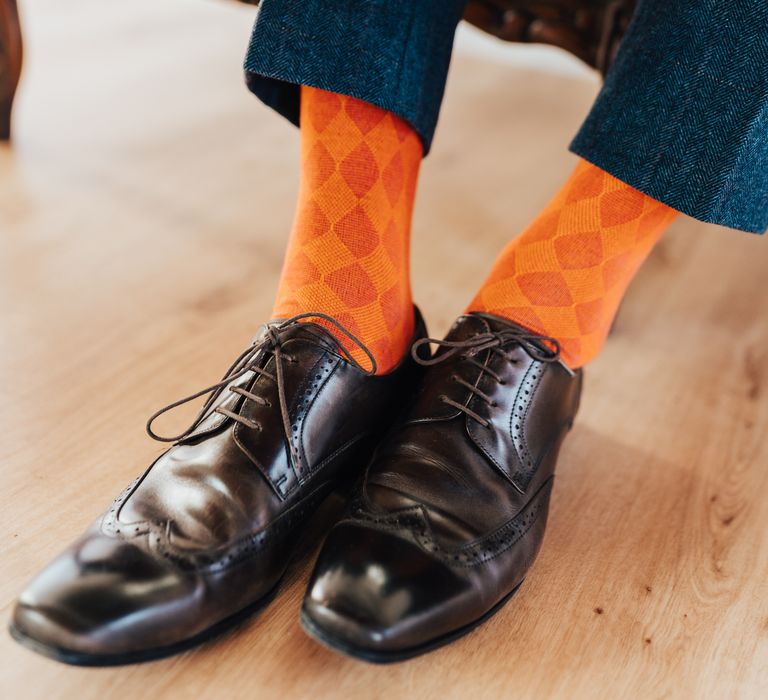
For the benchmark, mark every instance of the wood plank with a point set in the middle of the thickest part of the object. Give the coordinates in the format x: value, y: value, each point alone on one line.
x: 143, y: 215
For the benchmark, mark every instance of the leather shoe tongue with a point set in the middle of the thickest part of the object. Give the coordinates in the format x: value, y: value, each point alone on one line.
x: 497, y: 323
x: 261, y: 331
x: 465, y: 327
x: 306, y: 328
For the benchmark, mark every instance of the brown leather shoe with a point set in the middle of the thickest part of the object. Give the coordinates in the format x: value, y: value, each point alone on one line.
x: 205, y: 535
x: 452, y: 510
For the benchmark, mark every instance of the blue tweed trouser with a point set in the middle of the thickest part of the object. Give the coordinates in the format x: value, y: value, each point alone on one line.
x: 682, y: 116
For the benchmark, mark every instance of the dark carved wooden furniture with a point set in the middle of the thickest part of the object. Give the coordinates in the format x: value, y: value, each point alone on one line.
x: 10, y: 62
x: 589, y: 29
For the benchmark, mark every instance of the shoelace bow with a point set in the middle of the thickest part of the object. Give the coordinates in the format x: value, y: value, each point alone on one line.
x: 534, y: 345
x: 248, y: 361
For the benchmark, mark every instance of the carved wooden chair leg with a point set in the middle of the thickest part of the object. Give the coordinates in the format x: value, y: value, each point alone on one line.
x: 10, y: 62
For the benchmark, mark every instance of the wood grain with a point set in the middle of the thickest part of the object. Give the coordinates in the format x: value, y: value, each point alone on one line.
x: 143, y: 215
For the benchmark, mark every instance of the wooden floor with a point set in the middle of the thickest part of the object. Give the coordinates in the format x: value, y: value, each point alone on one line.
x: 143, y: 214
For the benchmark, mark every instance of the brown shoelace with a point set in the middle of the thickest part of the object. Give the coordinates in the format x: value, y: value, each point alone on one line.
x: 535, y: 345
x: 248, y: 361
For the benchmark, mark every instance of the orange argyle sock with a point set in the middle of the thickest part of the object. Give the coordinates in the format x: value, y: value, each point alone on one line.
x: 565, y: 275
x: 348, y: 253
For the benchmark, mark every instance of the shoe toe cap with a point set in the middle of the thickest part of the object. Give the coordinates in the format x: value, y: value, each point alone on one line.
x: 377, y: 593
x: 101, y: 597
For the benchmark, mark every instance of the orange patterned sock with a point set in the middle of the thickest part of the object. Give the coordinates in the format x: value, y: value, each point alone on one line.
x: 565, y: 275
x: 348, y: 253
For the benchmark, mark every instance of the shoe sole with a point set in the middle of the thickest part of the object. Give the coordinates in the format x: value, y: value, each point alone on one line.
x: 389, y: 657
x: 76, y: 658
